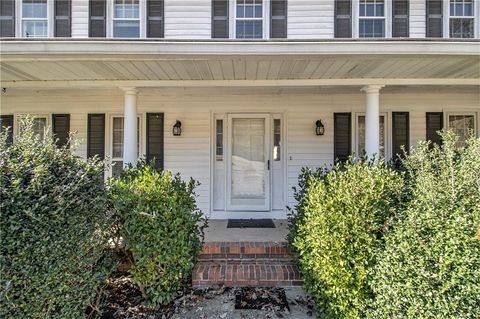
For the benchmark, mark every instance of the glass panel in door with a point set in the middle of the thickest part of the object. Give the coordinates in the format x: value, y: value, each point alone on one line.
x: 249, y: 179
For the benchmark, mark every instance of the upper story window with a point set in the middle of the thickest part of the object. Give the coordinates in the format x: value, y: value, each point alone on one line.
x: 126, y: 19
x: 461, y: 19
x: 34, y: 18
x: 371, y: 19
x: 249, y: 19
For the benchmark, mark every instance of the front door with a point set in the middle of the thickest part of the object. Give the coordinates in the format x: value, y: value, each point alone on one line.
x: 248, y: 162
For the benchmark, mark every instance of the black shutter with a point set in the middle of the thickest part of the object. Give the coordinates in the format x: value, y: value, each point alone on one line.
x: 343, y: 18
x: 63, y: 16
x: 61, y: 128
x: 400, y: 133
x: 155, y: 19
x: 155, y: 139
x: 220, y: 19
x: 400, y: 16
x: 434, y: 19
x: 342, y: 136
x: 7, y: 18
x: 278, y: 19
x: 97, y: 18
x: 96, y: 135
x: 6, y: 121
x: 434, y: 124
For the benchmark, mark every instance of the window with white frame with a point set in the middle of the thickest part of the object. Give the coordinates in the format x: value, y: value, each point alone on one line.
x: 39, y: 125
x: 126, y: 19
x: 34, y: 18
x: 360, y: 150
x: 277, y: 139
x: 371, y: 20
x: 219, y: 140
x: 249, y: 19
x: 463, y: 125
x: 117, y: 144
x: 461, y: 19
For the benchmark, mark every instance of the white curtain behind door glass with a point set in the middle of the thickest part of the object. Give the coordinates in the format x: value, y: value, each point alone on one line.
x: 248, y: 158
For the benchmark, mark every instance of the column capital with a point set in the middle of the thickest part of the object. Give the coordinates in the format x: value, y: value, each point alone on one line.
x: 372, y: 88
x: 129, y: 90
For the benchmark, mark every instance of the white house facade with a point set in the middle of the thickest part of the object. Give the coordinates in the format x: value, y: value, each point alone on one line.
x: 241, y: 94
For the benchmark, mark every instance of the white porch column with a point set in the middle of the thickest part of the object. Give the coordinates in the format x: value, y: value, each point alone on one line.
x: 130, y: 127
x: 372, y: 125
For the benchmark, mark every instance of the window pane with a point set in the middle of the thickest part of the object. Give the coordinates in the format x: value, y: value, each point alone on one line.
x: 240, y: 11
x: 126, y: 29
x: 35, y: 29
x: 39, y: 126
x: 258, y: 11
x: 219, y: 140
x: 461, y: 28
x: 117, y: 138
x: 249, y: 29
x: 361, y: 135
x: 276, y: 140
x: 34, y: 9
x: 127, y: 9
x: 117, y: 167
x: 463, y: 126
x: 372, y: 28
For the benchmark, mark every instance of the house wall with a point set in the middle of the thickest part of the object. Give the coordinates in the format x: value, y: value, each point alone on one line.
x: 188, y: 19
x: 80, y: 14
x: 190, y: 153
x: 307, y: 19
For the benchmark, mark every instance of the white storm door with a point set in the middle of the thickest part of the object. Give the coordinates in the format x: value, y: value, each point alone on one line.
x: 248, y: 161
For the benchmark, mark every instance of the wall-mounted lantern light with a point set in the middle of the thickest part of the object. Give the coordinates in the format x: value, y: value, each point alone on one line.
x: 177, y: 128
x: 319, y: 129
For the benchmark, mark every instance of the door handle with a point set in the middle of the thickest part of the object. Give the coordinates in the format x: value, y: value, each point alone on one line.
x: 268, y: 164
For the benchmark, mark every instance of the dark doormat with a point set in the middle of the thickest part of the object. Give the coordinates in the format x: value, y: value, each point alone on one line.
x: 261, y: 299
x: 250, y: 223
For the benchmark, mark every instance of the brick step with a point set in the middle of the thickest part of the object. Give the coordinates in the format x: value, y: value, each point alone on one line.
x: 232, y: 264
x: 250, y: 251
x: 260, y: 274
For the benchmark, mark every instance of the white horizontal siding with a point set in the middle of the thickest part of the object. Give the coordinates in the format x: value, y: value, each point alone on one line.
x: 417, y: 18
x: 188, y: 19
x: 309, y: 19
x: 80, y: 19
x: 190, y: 153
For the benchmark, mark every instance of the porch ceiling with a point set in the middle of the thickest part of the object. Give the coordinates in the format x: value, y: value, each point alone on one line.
x: 84, y: 64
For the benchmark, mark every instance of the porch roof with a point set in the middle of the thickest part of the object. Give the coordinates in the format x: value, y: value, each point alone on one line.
x: 112, y: 63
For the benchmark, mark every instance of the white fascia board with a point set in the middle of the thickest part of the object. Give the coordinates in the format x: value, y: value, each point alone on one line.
x: 16, y: 48
x: 79, y: 84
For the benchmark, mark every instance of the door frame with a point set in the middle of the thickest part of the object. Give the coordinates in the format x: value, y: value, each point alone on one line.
x: 228, y: 171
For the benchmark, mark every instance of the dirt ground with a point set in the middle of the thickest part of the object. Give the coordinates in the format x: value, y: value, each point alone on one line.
x: 124, y: 301
x: 221, y: 304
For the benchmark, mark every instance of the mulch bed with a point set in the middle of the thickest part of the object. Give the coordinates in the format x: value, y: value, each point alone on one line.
x: 270, y: 299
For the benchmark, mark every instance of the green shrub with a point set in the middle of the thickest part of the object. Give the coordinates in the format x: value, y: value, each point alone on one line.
x: 430, y: 267
x: 53, y: 229
x: 336, y: 231
x: 161, y: 227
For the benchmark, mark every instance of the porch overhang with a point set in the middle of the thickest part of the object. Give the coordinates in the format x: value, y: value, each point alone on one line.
x: 112, y: 63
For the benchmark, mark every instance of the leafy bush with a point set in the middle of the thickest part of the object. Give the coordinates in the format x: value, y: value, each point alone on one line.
x: 430, y: 267
x: 161, y: 227
x: 53, y: 229
x: 336, y: 231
